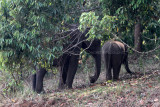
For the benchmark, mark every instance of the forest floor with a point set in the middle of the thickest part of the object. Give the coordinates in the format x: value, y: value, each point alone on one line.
x: 142, y: 90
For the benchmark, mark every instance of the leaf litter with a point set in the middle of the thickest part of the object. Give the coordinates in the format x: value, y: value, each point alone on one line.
x: 141, y: 90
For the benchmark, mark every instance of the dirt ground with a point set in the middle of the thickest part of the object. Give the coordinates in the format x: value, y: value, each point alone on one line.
x: 142, y: 90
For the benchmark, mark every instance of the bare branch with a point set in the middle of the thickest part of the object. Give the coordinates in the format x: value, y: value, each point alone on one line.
x: 147, y: 52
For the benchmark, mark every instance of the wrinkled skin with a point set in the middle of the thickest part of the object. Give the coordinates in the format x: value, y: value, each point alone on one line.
x: 68, y: 62
x: 114, y: 54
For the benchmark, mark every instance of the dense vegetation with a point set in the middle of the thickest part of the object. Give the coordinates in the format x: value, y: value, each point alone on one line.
x: 30, y: 28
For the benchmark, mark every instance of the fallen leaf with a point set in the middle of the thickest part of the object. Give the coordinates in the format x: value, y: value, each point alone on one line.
x: 13, y: 101
x: 149, y: 86
x: 62, y: 104
x: 103, y: 84
x: 109, y: 81
x: 141, y: 102
x: 156, y: 99
x: 134, y: 83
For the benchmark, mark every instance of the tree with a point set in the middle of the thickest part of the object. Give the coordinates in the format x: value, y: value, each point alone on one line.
x: 133, y: 16
x: 29, y: 29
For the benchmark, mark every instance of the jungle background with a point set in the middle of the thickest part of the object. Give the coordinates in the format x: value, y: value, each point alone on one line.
x: 29, y: 29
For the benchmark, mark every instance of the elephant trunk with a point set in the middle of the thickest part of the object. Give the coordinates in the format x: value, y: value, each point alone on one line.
x: 98, y: 68
x: 56, y: 62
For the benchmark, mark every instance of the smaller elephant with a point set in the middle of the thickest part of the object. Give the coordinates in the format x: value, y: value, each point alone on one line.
x: 114, y: 54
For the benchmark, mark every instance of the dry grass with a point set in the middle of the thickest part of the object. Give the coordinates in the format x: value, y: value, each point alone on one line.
x: 140, y: 90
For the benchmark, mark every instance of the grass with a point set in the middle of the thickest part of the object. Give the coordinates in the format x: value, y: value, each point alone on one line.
x: 140, y: 90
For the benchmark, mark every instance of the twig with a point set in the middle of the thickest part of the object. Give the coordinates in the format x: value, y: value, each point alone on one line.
x: 134, y: 49
x: 151, y: 39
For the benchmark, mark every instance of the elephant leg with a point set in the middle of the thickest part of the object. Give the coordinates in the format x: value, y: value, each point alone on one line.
x: 34, y: 82
x: 108, y: 73
x: 73, y: 64
x: 63, y: 74
x: 116, y: 71
x: 116, y: 64
x: 39, y: 79
x: 61, y: 83
x: 108, y: 65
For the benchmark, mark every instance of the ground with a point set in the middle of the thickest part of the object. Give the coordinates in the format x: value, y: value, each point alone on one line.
x: 142, y: 90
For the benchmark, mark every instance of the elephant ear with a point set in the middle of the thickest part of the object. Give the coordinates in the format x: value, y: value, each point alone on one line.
x: 121, y: 45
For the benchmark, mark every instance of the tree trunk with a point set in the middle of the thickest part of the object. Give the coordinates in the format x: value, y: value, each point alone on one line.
x: 137, y: 37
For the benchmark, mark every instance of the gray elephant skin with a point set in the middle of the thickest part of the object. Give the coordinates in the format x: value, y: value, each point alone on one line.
x: 114, y: 54
x: 68, y: 62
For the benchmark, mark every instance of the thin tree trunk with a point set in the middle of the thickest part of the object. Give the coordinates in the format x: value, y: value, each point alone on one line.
x: 137, y: 37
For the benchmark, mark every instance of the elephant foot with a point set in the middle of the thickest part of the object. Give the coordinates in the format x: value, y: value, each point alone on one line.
x: 115, y: 79
x: 108, y: 78
x: 64, y: 86
x: 61, y: 86
x: 92, y: 79
x: 69, y: 87
x: 40, y: 91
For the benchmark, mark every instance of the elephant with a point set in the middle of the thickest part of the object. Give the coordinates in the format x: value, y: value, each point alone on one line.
x: 114, y: 54
x: 68, y: 62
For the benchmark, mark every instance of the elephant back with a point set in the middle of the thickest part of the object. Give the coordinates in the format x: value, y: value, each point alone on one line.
x: 113, y: 47
x: 121, y: 45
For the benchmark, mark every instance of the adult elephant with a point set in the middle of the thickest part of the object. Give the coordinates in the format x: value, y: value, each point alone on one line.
x: 114, y: 54
x: 68, y: 62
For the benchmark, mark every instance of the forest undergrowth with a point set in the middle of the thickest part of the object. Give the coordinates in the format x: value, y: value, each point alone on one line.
x: 140, y: 90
